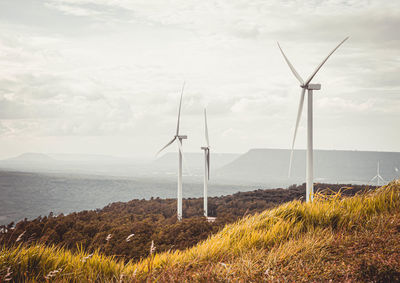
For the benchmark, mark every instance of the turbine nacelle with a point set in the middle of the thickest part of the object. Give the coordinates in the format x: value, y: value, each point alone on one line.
x: 311, y: 86
x: 181, y: 137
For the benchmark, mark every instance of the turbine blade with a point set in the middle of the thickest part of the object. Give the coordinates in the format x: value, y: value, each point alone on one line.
x: 208, y: 164
x: 183, y: 157
x: 380, y: 177
x: 291, y: 67
x: 168, y: 144
x: 373, y: 178
x: 323, y: 62
x: 206, y: 128
x: 290, y: 163
x: 299, y: 111
x: 179, y: 112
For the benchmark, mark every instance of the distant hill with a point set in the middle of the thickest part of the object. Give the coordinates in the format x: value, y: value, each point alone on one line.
x: 331, y: 166
x: 30, y: 157
x: 86, y: 157
x: 195, y: 162
x: 163, y: 167
x: 70, y: 163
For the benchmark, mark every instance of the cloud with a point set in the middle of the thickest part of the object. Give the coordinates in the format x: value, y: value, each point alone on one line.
x: 74, y: 10
x: 114, y: 68
x: 340, y: 105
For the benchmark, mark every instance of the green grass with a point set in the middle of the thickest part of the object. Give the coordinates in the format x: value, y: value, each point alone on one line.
x: 259, y: 247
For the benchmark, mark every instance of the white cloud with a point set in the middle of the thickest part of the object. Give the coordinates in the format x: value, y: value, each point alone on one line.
x: 74, y: 10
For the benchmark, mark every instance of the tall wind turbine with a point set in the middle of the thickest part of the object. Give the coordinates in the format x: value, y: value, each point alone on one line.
x: 178, y: 138
x: 306, y: 85
x: 378, y: 176
x: 206, y: 164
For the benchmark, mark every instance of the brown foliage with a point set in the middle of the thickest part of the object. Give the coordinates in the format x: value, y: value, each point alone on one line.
x: 148, y: 220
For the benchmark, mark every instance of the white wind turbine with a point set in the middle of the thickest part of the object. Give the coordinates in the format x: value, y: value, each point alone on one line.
x: 378, y: 176
x: 206, y: 164
x: 309, y: 87
x: 178, y: 138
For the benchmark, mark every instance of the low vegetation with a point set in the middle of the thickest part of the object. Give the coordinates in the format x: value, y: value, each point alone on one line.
x: 335, y: 237
x: 143, y: 221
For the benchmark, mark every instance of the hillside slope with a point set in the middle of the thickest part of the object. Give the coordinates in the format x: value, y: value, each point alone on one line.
x: 343, y: 239
x: 153, y: 219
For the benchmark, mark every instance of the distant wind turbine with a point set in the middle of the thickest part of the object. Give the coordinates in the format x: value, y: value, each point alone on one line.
x: 378, y: 176
x: 206, y: 164
x: 178, y: 138
x: 309, y: 87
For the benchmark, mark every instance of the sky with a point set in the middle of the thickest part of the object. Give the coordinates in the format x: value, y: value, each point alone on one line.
x: 104, y: 76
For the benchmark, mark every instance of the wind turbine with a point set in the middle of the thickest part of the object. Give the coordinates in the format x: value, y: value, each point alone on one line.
x: 378, y: 176
x: 306, y: 85
x: 178, y: 138
x: 206, y: 164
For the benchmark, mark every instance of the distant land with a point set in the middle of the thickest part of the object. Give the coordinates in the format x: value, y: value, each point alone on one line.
x: 106, y: 165
x: 73, y: 163
x: 331, y: 166
x: 34, y: 184
x: 257, y: 166
x: 195, y: 162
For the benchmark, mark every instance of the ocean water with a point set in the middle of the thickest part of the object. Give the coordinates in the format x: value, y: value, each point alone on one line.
x: 28, y: 195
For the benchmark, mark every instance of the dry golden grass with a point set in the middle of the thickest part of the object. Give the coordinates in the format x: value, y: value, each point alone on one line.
x: 293, y: 242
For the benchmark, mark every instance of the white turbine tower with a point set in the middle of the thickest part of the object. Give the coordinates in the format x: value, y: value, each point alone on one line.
x: 378, y: 176
x: 178, y: 138
x: 206, y: 164
x: 309, y: 87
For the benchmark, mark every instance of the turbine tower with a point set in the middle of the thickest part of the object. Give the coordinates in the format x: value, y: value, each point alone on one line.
x: 178, y: 138
x: 378, y: 176
x: 206, y: 164
x: 310, y: 88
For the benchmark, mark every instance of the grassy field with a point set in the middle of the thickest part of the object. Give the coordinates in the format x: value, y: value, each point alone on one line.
x: 339, y: 238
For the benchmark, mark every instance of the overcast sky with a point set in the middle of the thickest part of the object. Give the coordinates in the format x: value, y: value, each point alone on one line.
x: 104, y: 76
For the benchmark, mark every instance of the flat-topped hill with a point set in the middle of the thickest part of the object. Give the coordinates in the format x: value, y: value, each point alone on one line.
x: 331, y: 166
